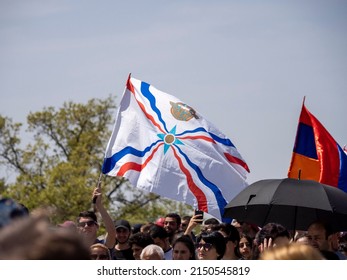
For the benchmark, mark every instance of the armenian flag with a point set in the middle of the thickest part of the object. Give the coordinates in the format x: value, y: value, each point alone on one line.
x: 316, y: 155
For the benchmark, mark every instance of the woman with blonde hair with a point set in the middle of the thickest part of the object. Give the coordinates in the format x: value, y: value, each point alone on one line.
x: 292, y: 251
x: 99, y: 251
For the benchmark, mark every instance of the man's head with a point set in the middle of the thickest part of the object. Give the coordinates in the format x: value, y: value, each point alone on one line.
x: 317, y: 235
x: 172, y: 223
x: 185, y: 222
x: 138, y: 241
x: 152, y: 252
x: 123, y: 230
x: 87, y: 224
x: 160, y: 237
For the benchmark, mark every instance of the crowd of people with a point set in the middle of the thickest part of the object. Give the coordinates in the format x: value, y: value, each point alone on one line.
x: 25, y: 235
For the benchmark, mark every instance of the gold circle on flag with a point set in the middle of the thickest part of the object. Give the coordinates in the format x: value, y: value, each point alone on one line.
x: 169, y: 139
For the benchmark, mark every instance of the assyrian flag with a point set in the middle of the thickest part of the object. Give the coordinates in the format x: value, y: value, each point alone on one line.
x: 164, y: 146
x: 316, y: 155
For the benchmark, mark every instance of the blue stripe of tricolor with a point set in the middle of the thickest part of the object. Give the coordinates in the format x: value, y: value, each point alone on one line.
x: 342, y: 184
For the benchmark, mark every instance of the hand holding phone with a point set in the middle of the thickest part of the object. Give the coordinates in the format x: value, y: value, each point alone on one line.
x: 200, y: 214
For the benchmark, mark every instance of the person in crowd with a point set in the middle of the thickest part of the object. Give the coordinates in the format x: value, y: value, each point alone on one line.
x: 160, y: 221
x: 183, y: 248
x: 11, y: 210
x: 245, y: 247
x: 161, y: 238
x: 210, y: 246
x: 302, y: 239
x: 138, y: 241
x: 146, y: 227
x: 232, y: 238
x: 152, y: 252
x: 319, y: 236
x: 99, y: 251
x: 136, y: 228
x: 185, y: 222
x: 87, y: 222
x: 194, y: 222
x: 247, y: 228
x: 34, y: 238
x: 272, y: 234
x: 172, y: 224
x: 292, y: 251
x: 70, y: 225
x: 343, y: 243
x: 122, y: 250
x: 209, y: 225
x: 334, y: 245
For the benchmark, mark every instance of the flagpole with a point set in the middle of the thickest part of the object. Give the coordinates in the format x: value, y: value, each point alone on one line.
x: 97, y: 185
x: 303, y: 101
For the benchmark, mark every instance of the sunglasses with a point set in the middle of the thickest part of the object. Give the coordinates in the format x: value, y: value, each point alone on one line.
x: 99, y: 257
x: 205, y: 246
x: 89, y: 224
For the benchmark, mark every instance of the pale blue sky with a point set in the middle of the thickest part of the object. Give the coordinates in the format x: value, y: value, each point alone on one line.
x: 244, y: 65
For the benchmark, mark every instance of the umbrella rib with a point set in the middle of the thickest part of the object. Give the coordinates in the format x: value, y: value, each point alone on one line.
x: 267, y: 214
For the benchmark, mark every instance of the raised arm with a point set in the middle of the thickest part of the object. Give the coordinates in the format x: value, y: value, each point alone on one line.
x: 110, y: 238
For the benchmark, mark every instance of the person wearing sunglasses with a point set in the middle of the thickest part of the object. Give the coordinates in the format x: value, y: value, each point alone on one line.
x: 99, y: 251
x: 87, y: 223
x: 210, y: 246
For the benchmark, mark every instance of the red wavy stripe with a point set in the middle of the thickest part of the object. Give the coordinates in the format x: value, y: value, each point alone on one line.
x: 131, y: 88
x: 197, y: 192
x: 208, y: 139
x: 135, y: 166
x: 236, y: 160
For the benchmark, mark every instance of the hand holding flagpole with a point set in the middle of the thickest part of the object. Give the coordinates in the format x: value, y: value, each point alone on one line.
x: 97, y: 191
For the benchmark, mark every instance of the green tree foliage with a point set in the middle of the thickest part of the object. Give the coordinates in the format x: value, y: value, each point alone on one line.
x: 60, y: 167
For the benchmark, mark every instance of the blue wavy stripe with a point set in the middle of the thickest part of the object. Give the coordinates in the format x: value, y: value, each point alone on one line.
x: 217, y: 192
x: 224, y: 141
x: 109, y: 163
x: 342, y: 184
x: 146, y: 93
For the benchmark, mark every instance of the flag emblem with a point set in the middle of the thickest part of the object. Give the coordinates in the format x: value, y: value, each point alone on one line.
x: 182, y: 112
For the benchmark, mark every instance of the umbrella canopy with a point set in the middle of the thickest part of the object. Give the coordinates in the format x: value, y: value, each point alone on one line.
x: 293, y: 203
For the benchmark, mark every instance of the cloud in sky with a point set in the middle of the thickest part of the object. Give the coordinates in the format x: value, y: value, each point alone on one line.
x: 244, y: 65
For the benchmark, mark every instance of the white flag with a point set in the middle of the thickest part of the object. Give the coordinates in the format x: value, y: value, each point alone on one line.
x: 164, y: 146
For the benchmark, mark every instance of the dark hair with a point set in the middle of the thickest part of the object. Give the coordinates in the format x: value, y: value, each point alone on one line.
x: 158, y: 232
x: 270, y: 230
x: 140, y: 239
x: 188, y: 242
x: 87, y: 214
x: 176, y: 217
x: 326, y: 226
x: 216, y: 239
x: 231, y: 232
x: 211, y: 221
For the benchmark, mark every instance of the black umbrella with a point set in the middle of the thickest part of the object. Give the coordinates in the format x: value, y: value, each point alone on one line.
x: 293, y: 203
